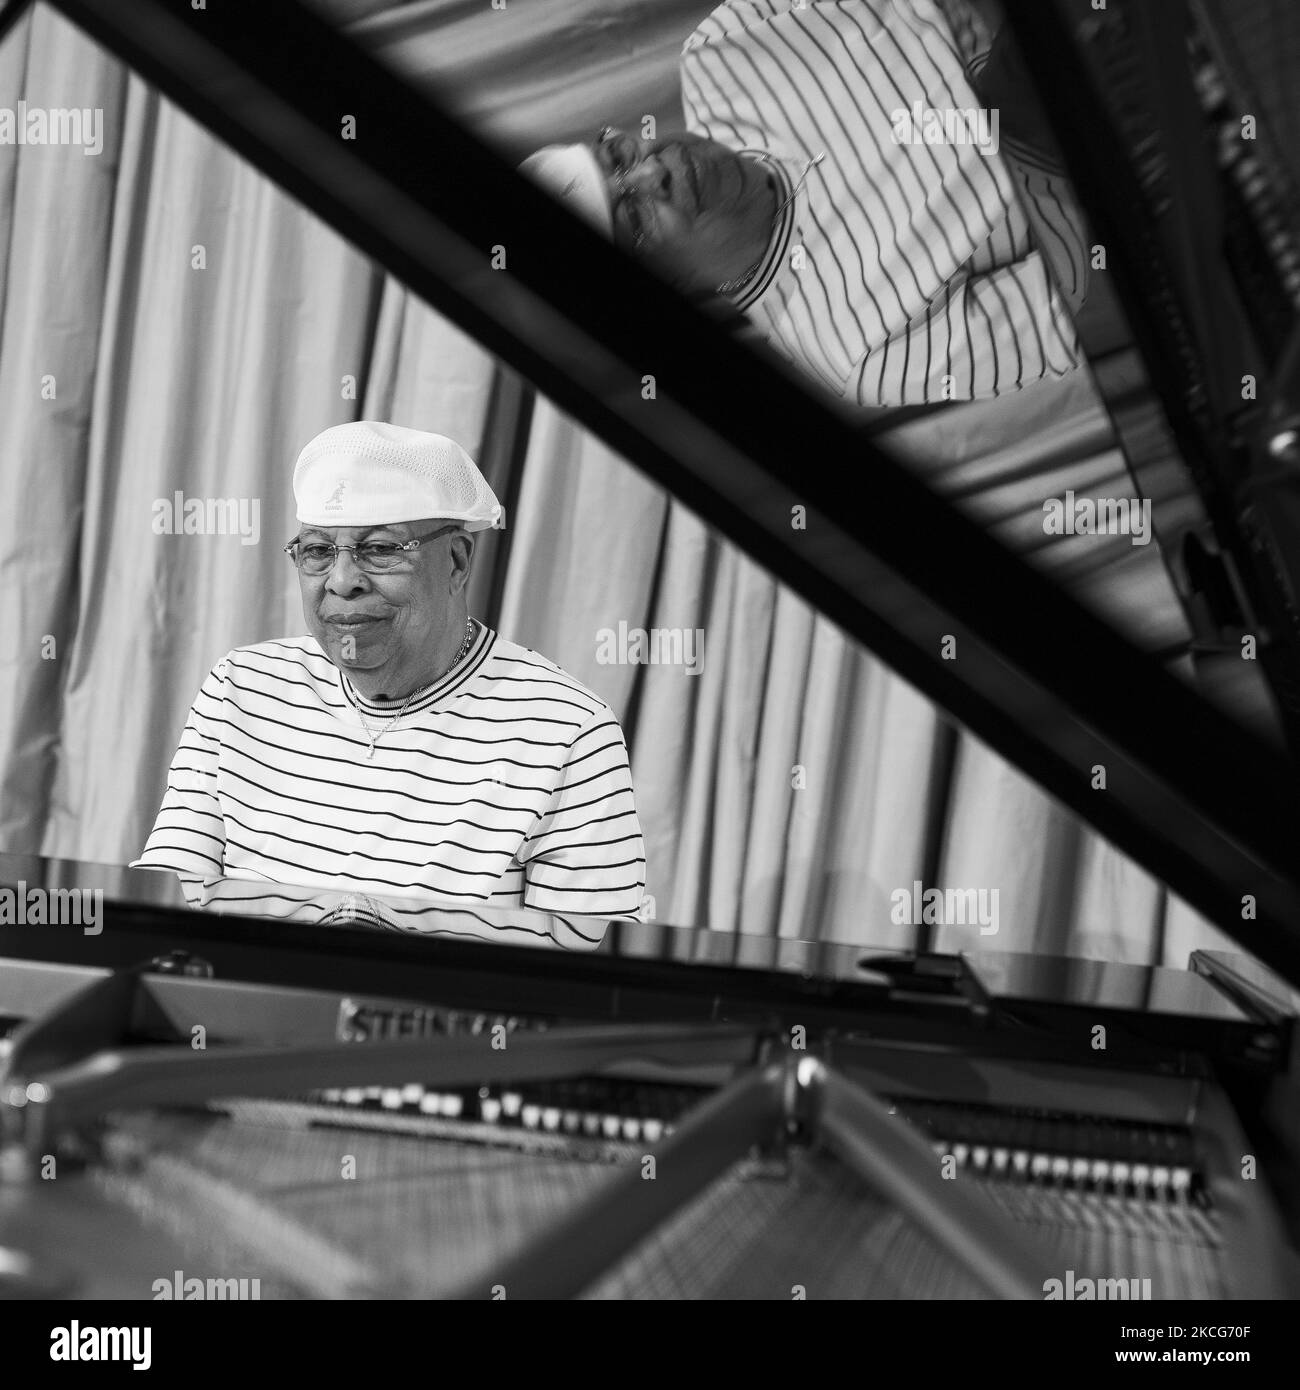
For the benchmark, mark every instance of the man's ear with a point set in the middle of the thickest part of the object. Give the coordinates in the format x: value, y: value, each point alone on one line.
x: 462, y: 558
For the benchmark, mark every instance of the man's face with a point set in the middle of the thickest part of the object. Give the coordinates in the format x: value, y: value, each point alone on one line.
x: 688, y: 202
x: 385, y: 629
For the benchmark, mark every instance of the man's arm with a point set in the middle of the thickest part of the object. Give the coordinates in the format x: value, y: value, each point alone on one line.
x: 983, y: 336
x: 1045, y: 189
x: 924, y: 272
x: 585, y: 854
x: 189, y: 835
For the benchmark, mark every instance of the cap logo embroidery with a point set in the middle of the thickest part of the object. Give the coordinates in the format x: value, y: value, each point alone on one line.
x: 334, y: 502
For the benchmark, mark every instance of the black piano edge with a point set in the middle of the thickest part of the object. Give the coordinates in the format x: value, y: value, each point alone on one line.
x: 558, y: 985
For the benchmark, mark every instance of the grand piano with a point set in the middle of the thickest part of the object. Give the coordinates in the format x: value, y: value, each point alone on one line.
x: 636, y: 1110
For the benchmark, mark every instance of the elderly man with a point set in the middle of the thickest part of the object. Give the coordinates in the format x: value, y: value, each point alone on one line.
x: 402, y: 748
x: 840, y: 184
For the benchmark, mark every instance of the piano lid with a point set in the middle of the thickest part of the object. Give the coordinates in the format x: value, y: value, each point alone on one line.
x: 1191, y: 795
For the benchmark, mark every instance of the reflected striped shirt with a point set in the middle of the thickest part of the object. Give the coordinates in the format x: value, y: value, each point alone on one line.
x: 506, y: 783
x: 901, y: 272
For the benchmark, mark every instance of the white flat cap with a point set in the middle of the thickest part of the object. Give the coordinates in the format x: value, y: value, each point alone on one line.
x: 373, y: 474
x: 571, y: 174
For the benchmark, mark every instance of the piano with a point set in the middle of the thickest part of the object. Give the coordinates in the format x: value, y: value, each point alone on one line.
x: 313, y: 1105
x: 818, y: 1121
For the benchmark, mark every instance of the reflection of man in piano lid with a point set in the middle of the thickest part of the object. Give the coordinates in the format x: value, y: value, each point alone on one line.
x: 403, y: 748
x: 840, y: 184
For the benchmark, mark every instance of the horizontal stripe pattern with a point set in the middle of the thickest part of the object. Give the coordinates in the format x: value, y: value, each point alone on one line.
x: 911, y: 275
x: 508, y: 784
x: 257, y: 897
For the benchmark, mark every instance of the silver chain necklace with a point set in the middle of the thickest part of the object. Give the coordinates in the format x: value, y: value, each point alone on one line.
x: 374, y: 735
x: 739, y: 283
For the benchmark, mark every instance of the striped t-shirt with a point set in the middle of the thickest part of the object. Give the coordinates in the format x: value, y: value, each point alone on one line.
x: 900, y: 272
x: 506, y: 783
x: 330, y: 907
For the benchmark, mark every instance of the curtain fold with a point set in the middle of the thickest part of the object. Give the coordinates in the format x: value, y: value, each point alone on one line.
x: 201, y: 327
x: 55, y: 218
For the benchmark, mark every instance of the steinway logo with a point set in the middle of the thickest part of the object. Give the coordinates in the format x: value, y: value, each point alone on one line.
x: 361, y: 1021
x: 374, y: 1020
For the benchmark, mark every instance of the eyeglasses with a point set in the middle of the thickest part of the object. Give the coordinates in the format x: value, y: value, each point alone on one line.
x: 375, y: 557
x: 628, y: 198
